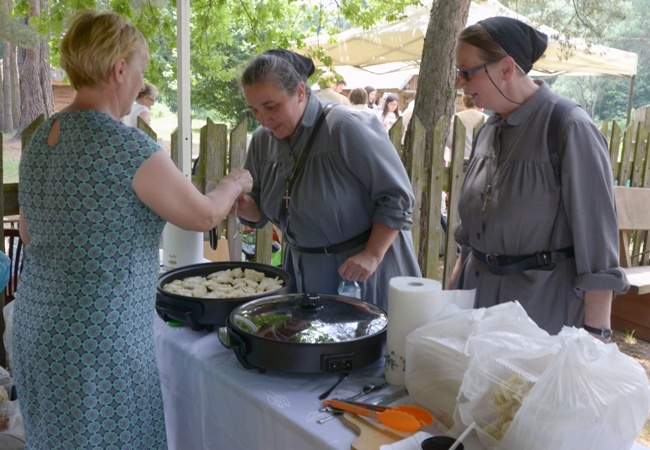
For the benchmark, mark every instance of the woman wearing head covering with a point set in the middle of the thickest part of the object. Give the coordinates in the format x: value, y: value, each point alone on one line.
x: 538, y: 217
x: 330, y: 179
x: 94, y: 196
x: 142, y: 106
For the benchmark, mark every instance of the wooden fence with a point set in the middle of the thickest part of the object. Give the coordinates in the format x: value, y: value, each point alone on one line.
x: 221, y: 149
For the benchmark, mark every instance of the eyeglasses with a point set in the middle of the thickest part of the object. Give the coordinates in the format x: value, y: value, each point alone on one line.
x: 152, y: 100
x: 466, y: 74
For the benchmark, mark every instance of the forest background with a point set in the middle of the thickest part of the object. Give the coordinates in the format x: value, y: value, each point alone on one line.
x: 225, y: 35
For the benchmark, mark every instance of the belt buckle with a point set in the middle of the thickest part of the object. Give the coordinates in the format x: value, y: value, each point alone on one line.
x: 492, y: 259
x: 543, y: 259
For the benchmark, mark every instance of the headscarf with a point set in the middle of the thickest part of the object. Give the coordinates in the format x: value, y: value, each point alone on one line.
x: 304, y: 66
x: 520, y: 41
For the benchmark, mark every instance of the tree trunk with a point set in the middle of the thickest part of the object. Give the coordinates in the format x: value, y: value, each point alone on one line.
x: 15, y: 87
x: 35, y: 79
x: 7, y: 123
x: 7, y: 119
x: 435, y: 92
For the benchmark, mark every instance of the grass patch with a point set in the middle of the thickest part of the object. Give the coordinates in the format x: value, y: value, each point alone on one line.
x: 10, y: 171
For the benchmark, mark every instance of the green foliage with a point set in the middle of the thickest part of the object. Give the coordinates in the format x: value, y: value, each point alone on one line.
x: 225, y: 35
x: 622, y: 24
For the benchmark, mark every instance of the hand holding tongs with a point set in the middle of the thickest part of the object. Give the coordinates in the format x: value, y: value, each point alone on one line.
x: 403, y: 417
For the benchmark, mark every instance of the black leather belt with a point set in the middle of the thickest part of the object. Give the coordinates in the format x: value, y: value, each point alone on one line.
x: 337, y: 248
x: 510, y: 265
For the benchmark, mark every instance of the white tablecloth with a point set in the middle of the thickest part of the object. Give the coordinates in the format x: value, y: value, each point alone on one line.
x: 213, y: 403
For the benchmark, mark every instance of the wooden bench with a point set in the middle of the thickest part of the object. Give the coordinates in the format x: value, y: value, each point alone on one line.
x: 631, y: 311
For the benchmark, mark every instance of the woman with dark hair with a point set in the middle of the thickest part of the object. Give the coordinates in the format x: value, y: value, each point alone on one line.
x: 538, y: 221
x: 372, y: 97
x: 330, y: 179
x: 390, y: 112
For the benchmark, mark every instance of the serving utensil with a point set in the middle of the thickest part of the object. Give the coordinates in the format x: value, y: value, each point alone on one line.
x: 329, y: 391
x: 366, y: 389
x: 403, y: 417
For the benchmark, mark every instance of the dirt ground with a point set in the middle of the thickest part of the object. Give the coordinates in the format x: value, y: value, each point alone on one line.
x: 11, y: 150
x: 627, y: 343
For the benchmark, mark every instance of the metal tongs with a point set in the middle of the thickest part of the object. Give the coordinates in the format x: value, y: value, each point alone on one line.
x: 407, y: 418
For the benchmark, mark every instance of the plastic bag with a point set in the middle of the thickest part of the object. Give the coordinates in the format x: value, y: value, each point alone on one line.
x: 588, y: 396
x: 437, y: 354
x: 502, y: 370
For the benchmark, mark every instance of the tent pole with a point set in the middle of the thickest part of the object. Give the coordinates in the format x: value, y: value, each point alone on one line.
x: 629, y: 100
x: 183, y: 77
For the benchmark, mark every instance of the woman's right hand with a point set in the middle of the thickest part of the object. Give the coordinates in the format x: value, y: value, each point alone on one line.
x: 242, y: 177
x: 246, y: 208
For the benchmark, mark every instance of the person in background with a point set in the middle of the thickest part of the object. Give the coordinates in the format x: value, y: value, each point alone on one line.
x: 471, y: 116
x: 94, y: 197
x: 406, y: 117
x: 358, y: 98
x: 372, y: 96
x: 541, y: 233
x: 390, y: 112
x: 327, y: 83
x: 142, y: 106
x: 330, y: 179
x: 340, y: 85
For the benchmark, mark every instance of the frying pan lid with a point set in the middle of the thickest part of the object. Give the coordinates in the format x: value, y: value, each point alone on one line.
x: 309, y: 318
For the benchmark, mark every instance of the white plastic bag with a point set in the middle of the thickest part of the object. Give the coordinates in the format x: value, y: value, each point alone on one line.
x: 589, y: 396
x: 503, y: 368
x: 437, y: 353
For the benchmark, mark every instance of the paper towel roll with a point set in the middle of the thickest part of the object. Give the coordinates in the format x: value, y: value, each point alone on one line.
x: 181, y: 247
x: 413, y: 302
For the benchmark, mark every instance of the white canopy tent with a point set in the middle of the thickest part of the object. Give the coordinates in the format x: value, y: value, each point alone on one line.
x: 380, y: 48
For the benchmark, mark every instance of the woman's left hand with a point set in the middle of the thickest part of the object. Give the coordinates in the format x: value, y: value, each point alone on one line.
x: 360, y: 266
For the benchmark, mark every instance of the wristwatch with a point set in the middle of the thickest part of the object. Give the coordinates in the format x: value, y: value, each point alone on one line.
x: 605, y: 333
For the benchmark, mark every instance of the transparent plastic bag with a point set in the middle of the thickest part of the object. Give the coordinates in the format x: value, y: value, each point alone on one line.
x: 437, y: 354
x: 503, y: 369
x: 567, y: 392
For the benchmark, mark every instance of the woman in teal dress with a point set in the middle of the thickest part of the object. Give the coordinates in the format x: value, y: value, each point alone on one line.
x: 94, y: 197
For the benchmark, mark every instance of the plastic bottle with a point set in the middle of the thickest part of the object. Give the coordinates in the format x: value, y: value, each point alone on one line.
x: 349, y: 288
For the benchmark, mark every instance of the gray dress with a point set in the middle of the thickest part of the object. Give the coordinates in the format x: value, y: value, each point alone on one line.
x: 352, y: 177
x: 528, y: 211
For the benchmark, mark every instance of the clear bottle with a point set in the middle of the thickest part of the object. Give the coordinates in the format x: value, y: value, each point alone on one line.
x: 349, y: 288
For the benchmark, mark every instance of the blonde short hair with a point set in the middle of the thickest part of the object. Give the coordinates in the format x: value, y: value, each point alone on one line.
x: 94, y: 42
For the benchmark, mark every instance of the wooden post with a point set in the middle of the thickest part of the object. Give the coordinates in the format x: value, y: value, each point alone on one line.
x: 417, y: 174
x: 237, y: 155
x: 395, y: 136
x: 455, y: 183
x: 175, y: 149
x: 434, y: 229
x: 144, y: 126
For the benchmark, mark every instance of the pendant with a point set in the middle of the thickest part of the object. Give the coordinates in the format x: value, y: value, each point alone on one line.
x: 486, y: 196
x: 287, y: 196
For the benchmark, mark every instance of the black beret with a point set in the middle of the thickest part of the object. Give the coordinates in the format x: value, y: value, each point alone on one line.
x: 303, y: 65
x: 520, y: 41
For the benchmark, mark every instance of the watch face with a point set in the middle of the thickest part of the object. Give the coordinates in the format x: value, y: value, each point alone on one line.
x: 607, y: 333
